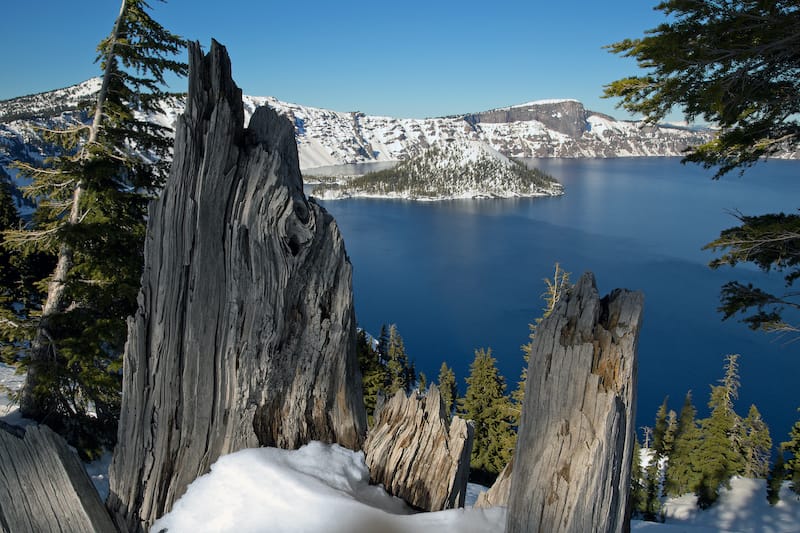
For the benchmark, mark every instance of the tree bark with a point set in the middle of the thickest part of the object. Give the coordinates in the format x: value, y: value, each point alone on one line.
x: 573, y: 457
x: 417, y: 454
x: 43, y: 486
x: 245, y: 333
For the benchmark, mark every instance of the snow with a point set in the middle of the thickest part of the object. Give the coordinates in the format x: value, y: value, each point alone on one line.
x: 320, y: 487
x: 10, y: 381
x: 324, y: 487
x: 742, y: 508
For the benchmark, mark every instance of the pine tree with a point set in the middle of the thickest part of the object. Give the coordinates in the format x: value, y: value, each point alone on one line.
x: 397, y: 364
x: 638, y: 496
x: 660, y: 428
x: 383, y: 344
x: 775, y: 478
x: 652, y: 506
x: 91, y: 207
x: 486, y: 404
x: 756, y: 445
x: 792, y: 446
x: 719, y: 455
x: 374, y: 376
x: 681, y: 475
x: 422, y: 383
x: 447, y: 387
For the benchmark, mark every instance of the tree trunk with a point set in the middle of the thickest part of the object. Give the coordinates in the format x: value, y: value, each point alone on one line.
x: 572, y: 462
x: 245, y: 333
x: 43, y: 348
x: 43, y: 486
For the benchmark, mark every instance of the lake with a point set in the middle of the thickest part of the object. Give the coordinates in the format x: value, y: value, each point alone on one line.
x: 459, y: 275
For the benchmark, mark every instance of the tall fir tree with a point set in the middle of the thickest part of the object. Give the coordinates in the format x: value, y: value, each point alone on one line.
x: 775, y: 478
x: 756, y: 445
x: 792, y: 447
x: 447, y: 387
x: 422, y: 382
x: 486, y: 404
x: 638, y: 495
x: 719, y: 456
x: 660, y: 428
x: 91, y: 206
x: 681, y: 476
x: 397, y: 364
x: 383, y: 344
x: 374, y: 375
x: 652, y: 506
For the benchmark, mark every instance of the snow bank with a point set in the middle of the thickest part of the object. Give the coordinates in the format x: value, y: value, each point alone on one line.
x: 319, y: 487
x: 742, y: 508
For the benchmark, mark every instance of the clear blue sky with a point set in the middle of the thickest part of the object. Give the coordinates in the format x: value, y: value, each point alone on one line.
x: 408, y: 58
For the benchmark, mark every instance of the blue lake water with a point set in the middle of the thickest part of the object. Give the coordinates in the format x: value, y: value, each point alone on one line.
x: 459, y: 275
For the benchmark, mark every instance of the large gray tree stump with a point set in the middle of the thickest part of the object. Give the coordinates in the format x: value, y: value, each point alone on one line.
x: 44, y: 487
x: 573, y: 458
x: 245, y: 332
x: 417, y: 454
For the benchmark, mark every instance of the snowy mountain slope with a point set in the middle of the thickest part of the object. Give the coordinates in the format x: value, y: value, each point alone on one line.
x: 545, y: 128
x: 447, y: 170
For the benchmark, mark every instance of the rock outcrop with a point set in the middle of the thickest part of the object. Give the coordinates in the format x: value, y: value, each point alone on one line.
x: 43, y: 486
x: 417, y: 454
x: 564, y: 116
x: 245, y: 332
x: 575, y: 444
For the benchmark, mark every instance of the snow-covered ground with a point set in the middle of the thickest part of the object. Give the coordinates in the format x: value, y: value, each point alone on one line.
x: 323, y: 487
x: 320, y: 487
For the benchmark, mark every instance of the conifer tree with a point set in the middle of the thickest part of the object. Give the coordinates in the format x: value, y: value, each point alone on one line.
x: 383, y: 344
x: 422, y: 382
x: 652, y: 507
x: 660, y: 428
x: 792, y: 446
x: 775, y: 478
x: 91, y: 206
x: 638, y: 495
x: 397, y: 364
x: 719, y: 456
x: 486, y: 404
x: 681, y: 476
x: 447, y: 387
x: 374, y: 375
x: 756, y: 445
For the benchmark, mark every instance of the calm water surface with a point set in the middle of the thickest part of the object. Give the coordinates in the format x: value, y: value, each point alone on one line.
x: 459, y: 275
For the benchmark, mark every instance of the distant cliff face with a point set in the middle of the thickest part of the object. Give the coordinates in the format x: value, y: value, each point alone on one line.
x: 549, y: 128
x: 563, y: 116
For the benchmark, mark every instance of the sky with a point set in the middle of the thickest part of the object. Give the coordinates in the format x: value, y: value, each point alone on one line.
x: 409, y: 59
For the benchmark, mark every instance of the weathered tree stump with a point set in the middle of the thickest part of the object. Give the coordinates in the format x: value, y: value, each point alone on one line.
x: 245, y: 332
x: 418, y: 454
x: 498, y: 493
x: 44, y: 487
x: 573, y: 458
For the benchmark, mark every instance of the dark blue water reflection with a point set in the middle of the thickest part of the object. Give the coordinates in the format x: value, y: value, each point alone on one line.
x: 459, y: 275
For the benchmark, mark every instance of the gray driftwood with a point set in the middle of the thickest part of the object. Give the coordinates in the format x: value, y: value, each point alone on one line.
x: 573, y: 457
x: 418, y: 454
x: 44, y: 487
x: 245, y: 331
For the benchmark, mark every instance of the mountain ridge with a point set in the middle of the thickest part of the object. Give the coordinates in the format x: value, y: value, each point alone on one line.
x: 538, y: 129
